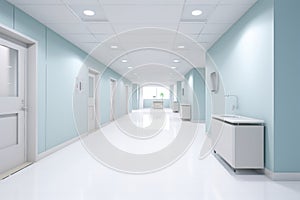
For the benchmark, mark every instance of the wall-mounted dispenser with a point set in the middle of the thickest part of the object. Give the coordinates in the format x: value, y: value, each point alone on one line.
x: 214, y: 79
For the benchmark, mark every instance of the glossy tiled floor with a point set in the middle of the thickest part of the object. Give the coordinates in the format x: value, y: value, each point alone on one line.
x: 72, y: 174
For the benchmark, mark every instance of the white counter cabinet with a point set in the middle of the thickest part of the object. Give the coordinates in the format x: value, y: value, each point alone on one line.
x: 185, y: 111
x: 241, y: 145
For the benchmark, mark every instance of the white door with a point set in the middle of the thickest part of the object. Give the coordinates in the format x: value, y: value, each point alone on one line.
x: 91, y: 107
x: 126, y: 98
x: 12, y: 105
x: 112, y: 100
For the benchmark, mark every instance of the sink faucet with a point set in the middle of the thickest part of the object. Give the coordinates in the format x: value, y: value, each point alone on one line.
x: 236, y: 106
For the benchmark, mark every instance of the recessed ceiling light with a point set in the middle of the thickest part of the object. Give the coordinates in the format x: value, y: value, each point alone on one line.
x: 124, y: 61
x: 129, y: 67
x: 176, y: 61
x: 180, y: 47
x: 196, y: 12
x: 89, y: 12
x: 114, y: 46
x: 173, y: 68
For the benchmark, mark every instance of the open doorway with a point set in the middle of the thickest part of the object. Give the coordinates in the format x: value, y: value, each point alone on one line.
x: 92, y: 113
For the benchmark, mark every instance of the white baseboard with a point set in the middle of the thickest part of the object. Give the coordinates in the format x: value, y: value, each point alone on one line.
x: 59, y: 147
x: 282, y: 176
x: 198, y: 121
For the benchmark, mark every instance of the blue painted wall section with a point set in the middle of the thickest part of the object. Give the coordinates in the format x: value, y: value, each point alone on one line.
x: 135, y: 96
x: 287, y: 93
x: 59, y: 62
x: 245, y: 60
x: 194, y: 93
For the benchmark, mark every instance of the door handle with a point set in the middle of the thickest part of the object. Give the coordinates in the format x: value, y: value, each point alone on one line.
x: 24, y: 108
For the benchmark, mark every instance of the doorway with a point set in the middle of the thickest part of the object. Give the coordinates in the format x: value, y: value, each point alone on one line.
x: 92, y: 113
x: 12, y: 105
x: 112, y: 99
x: 126, y: 99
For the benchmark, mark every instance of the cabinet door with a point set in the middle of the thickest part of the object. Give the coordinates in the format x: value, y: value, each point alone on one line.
x: 225, y: 144
x: 249, y: 147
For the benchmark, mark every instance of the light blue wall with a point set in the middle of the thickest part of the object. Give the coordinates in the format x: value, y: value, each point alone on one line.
x: 58, y: 65
x: 147, y: 103
x: 194, y: 93
x: 6, y: 14
x: 245, y: 60
x: 179, y: 91
x: 200, y: 95
x: 120, y: 96
x: 287, y: 93
x: 26, y: 25
x: 135, y: 97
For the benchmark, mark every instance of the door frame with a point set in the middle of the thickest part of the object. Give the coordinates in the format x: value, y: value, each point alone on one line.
x: 96, y: 73
x: 112, y: 99
x: 127, y: 98
x: 31, y: 88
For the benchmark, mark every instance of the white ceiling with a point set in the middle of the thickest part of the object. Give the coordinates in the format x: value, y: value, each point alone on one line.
x: 173, y: 26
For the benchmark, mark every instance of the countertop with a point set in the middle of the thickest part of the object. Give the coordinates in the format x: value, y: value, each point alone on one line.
x: 236, y: 119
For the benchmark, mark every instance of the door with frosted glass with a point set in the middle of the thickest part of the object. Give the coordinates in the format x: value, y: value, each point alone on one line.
x: 12, y: 105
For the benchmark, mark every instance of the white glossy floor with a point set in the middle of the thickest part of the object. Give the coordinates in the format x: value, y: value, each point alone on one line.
x: 72, y: 174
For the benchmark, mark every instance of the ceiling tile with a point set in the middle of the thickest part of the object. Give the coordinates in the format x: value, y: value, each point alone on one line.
x: 141, y: 2
x: 212, y: 28
x: 100, y: 27
x: 143, y: 13
x: 206, y: 11
x: 82, y: 2
x: 238, y: 1
x: 30, y: 2
x: 88, y: 46
x: 79, y: 38
x: 121, y: 27
x: 102, y: 37
x: 190, y: 27
x: 203, y: 1
x: 77, y: 28
x: 228, y: 13
x: 50, y: 13
x: 208, y: 38
x: 205, y: 45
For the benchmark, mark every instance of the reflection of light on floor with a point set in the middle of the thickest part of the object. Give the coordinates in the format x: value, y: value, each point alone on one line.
x: 138, y: 146
x: 141, y: 118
